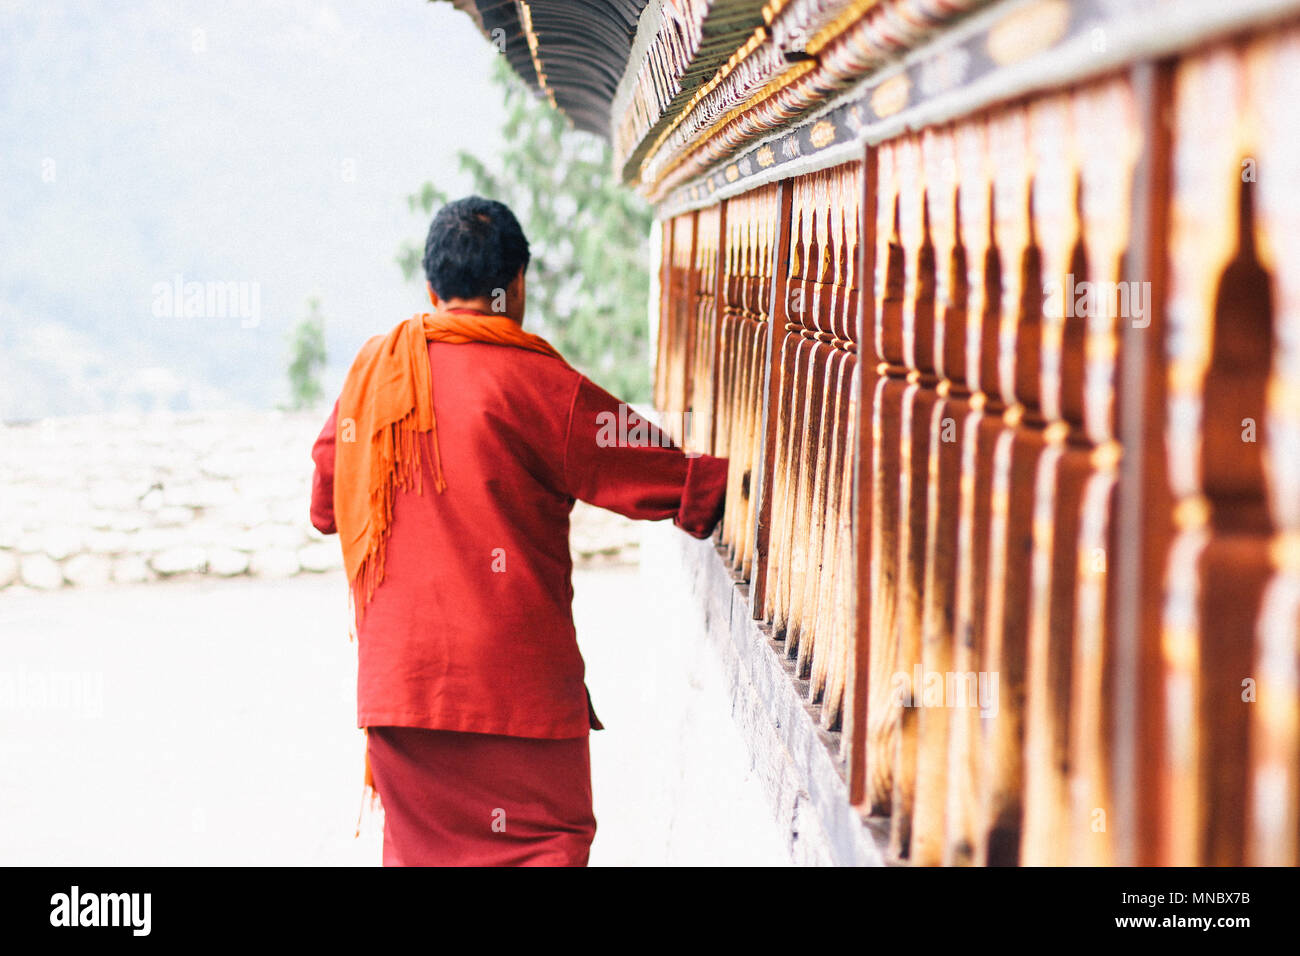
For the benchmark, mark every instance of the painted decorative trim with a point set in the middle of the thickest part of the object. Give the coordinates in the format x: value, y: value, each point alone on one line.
x: 996, y: 55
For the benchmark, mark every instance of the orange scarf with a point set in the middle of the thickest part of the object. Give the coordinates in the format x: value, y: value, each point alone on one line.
x: 385, y: 404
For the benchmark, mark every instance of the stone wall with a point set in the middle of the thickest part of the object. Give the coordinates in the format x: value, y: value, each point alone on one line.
x: 93, y: 501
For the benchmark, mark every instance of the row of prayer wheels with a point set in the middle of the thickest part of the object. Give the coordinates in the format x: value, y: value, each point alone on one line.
x: 1012, y: 405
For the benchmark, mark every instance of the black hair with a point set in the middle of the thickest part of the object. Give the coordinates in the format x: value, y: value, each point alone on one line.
x: 475, y: 247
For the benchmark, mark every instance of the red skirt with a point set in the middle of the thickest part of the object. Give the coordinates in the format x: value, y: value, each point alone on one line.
x: 462, y: 799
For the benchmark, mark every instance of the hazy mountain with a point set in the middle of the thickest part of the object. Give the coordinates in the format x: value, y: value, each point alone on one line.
x: 252, y: 148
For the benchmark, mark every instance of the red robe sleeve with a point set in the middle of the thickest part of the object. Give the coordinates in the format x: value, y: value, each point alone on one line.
x: 322, y: 482
x: 616, y: 459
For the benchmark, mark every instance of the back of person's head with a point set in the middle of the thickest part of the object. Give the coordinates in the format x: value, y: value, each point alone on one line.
x: 475, y: 248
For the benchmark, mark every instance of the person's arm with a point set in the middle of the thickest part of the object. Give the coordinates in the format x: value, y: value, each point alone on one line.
x: 616, y: 459
x: 322, y: 482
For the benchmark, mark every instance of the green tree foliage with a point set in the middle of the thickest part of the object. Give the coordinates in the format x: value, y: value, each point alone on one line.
x: 307, y: 358
x: 588, y: 281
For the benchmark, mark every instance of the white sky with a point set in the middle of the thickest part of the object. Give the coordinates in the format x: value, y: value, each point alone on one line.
x: 213, y: 140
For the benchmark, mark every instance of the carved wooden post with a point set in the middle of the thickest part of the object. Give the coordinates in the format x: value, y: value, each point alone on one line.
x: 771, y: 380
x: 943, y: 481
x: 1273, y: 839
x: 856, y: 692
x: 702, y: 342
x: 884, y: 710
x: 1015, y: 461
x: 979, y: 432
x: 918, y: 401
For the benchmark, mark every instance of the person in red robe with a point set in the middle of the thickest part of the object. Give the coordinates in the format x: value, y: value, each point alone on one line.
x: 449, y: 468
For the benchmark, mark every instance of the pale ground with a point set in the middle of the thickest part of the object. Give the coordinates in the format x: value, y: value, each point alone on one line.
x: 211, y: 722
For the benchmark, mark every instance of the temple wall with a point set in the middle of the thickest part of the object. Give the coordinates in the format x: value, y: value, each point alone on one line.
x: 1001, y: 349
